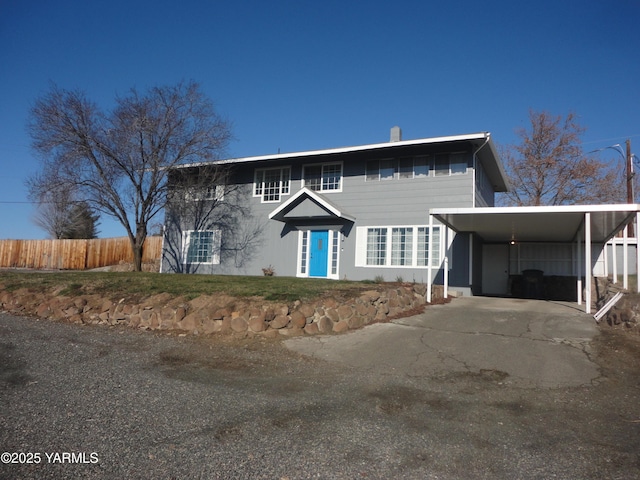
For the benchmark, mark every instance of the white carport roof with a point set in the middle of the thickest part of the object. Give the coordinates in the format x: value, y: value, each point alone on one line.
x: 538, y: 224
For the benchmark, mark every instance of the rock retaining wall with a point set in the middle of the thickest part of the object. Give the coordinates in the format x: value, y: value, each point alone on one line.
x: 626, y: 311
x: 223, y: 314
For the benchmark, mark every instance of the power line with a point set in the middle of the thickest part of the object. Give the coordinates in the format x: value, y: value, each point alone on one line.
x: 613, y: 139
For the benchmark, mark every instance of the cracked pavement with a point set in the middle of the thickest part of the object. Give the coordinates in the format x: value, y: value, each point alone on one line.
x: 528, y: 343
x: 453, y: 394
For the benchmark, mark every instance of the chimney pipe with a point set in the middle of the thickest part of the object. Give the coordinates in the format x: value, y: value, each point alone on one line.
x: 396, y: 134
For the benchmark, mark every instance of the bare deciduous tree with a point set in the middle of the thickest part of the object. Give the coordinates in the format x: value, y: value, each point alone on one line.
x: 118, y: 160
x: 202, y: 199
x: 549, y: 167
x: 54, y: 210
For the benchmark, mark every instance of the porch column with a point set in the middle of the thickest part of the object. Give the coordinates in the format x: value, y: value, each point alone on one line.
x: 587, y: 261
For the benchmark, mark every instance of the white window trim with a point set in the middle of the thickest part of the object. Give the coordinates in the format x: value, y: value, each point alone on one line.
x: 361, y: 247
x: 332, y: 235
x: 322, y: 165
x: 186, y: 241
x: 261, y: 172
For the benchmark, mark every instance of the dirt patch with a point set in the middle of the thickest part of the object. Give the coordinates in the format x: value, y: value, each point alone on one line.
x: 617, y: 350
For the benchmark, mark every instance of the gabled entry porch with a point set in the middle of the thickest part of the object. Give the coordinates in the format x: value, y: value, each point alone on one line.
x: 320, y: 225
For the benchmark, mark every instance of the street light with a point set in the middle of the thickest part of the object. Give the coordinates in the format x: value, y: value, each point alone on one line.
x: 629, y: 165
x: 628, y: 157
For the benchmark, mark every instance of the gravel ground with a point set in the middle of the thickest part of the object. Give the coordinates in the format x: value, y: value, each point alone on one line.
x: 131, y: 404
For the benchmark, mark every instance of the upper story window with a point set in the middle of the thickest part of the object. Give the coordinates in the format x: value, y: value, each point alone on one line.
x: 382, y: 169
x: 417, y: 167
x: 271, y: 183
x: 323, y: 178
x: 450, y: 164
x: 206, y: 192
x: 414, y: 167
x: 458, y: 163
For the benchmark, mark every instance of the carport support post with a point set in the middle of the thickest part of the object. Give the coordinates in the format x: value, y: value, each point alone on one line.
x: 446, y: 262
x: 429, y: 258
x: 637, y: 253
x: 614, y: 259
x: 579, y: 269
x: 625, y: 258
x: 587, y: 261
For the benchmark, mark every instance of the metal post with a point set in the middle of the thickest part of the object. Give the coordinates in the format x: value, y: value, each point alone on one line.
x: 579, y: 269
x: 446, y: 262
x: 587, y: 261
x: 614, y: 255
x: 637, y: 256
x: 471, y: 261
x: 429, y: 281
x: 625, y: 258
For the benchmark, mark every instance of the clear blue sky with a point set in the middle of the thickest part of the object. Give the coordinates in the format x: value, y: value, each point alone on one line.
x: 297, y: 75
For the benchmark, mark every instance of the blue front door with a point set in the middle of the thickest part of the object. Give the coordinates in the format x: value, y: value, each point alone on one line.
x: 318, y: 253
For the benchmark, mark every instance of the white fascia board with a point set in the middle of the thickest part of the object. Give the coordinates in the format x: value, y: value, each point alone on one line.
x: 358, y: 148
x: 317, y: 198
x: 625, y: 207
x: 498, y: 163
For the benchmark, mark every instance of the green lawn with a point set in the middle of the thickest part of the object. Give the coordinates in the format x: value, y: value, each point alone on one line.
x: 141, y: 284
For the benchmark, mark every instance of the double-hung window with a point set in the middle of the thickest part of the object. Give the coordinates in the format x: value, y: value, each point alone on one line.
x: 207, y: 192
x: 398, y: 246
x: 376, y: 246
x: 323, y: 178
x: 401, y: 246
x: 201, y: 246
x: 423, y: 247
x: 271, y: 183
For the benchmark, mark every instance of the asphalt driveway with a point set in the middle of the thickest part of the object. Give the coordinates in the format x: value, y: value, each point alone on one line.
x: 528, y: 343
x: 438, y: 396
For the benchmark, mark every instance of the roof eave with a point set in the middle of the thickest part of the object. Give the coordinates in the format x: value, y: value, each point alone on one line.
x: 339, y: 150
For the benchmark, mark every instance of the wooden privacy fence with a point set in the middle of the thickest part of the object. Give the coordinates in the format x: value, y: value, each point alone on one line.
x: 74, y: 254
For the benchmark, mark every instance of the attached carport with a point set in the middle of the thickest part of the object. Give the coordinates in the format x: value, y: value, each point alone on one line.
x: 581, y: 225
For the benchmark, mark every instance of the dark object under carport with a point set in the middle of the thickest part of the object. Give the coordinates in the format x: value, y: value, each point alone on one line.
x: 533, y: 284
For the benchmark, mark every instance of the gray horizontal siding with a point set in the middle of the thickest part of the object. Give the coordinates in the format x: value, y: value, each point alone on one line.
x: 372, y: 203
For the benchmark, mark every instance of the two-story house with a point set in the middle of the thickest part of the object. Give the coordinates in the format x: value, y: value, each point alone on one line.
x: 354, y: 213
x: 412, y: 210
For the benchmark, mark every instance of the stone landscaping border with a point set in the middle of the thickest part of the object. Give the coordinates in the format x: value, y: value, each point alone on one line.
x: 626, y: 312
x: 227, y: 315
